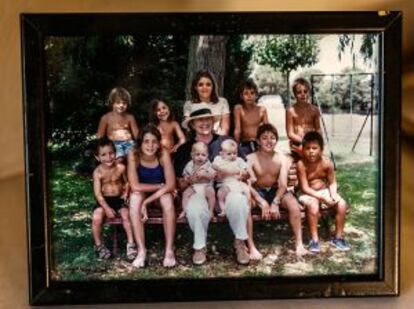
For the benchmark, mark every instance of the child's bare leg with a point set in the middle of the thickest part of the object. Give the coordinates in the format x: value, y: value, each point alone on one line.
x: 211, y: 197
x: 124, y: 212
x: 135, y: 203
x: 255, y: 197
x: 168, y: 215
x: 253, y: 252
x: 98, y: 217
x: 221, y: 195
x: 340, y: 219
x: 188, y: 192
x: 131, y: 248
x: 312, y: 209
x: 293, y: 207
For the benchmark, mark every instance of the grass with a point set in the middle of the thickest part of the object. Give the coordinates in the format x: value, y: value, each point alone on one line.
x: 74, y: 257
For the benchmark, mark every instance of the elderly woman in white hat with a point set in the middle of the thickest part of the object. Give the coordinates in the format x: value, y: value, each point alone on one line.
x: 200, y: 122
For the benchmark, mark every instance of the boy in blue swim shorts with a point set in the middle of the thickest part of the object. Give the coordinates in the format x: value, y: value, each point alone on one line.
x: 119, y: 125
x: 248, y: 117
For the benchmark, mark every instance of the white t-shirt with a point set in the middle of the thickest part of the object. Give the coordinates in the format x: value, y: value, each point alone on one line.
x: 219, y: 108
x: 238, y: 164
x: 190, y: 169
x: 230, y: 166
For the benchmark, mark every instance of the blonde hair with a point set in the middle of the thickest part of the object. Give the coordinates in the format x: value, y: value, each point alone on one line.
x: 300, y: 81
x: 119, y: 93
x: 199, y: 145
x: 228, y: 143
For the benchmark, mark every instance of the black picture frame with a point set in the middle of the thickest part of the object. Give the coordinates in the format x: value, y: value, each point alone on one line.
x: 43, y: 290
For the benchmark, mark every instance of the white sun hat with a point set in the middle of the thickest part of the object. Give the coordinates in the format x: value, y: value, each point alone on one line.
x: 199, y: 110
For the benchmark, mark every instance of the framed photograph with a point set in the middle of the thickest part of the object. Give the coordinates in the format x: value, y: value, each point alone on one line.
x: 313, y: 212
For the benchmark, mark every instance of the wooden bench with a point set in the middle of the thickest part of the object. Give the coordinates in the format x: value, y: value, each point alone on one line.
x: 155, y: 214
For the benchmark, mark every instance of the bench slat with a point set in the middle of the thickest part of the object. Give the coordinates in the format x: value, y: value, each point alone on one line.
x: 155, y: 217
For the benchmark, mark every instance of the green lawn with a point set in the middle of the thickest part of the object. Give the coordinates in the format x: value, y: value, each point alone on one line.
x: 74, y: 257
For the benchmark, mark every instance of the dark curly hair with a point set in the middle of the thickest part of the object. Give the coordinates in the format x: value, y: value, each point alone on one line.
x: 266, y: 127
x: 153, y: 111
x: 313, y: 136
x: 102, y: 142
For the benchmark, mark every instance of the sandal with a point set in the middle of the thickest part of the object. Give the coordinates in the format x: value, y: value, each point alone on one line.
x: 102, y: 252
x: 131, y: 251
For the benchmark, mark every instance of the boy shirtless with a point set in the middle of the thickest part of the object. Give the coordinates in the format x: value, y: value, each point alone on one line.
x: 319, y: 189
x: 248, y: 117
x: 119, y: 125
x: 110, y: 188
x: 270, y: 169
x: 301, y: 117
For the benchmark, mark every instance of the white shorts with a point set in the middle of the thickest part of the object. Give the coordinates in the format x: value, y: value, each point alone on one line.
x: 306, y: 199
x: 200, y: 188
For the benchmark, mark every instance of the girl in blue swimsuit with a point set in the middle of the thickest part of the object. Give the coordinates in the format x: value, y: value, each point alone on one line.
x: 151, y: 177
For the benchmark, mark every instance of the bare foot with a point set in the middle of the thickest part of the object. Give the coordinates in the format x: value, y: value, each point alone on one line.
x: 254, y: 254
x: 169, y: 259
x: 222, y: 214
x: 139, y: 261
x: 300, y: 251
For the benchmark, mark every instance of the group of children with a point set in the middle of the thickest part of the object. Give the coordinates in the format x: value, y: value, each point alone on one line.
x: 258, y: 178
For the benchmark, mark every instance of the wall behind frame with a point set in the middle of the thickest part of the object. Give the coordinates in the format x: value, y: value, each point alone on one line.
x: 13, y: 269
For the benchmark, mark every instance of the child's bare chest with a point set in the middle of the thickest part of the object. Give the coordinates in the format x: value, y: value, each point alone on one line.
x: 267, y: 167
x: 303, y: 115
x: 165, y: 129
x: 251, y: 117
x: 111, y: 176
x: 118, y: 123
x: 317, y: 172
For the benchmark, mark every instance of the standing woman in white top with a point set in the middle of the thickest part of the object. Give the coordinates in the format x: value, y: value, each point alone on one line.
x: 204, y: 89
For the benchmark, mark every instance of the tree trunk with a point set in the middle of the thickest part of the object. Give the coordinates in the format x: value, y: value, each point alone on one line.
x: 207, y: 52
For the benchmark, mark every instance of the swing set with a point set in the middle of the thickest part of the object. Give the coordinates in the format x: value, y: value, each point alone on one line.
x: 371, y: 110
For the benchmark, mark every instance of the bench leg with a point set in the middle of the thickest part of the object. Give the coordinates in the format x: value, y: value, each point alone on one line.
x: 115, y: 240
x: 325, y: 223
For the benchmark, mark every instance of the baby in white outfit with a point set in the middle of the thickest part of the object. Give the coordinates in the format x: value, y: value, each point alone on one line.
x: 200, y: 173
x: 232, y: 166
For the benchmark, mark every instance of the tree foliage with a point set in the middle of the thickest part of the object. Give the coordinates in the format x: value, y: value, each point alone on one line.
x: 82, y: 70
x: 286, y: 53
x: 237, y: 67
x: 366, y: 49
